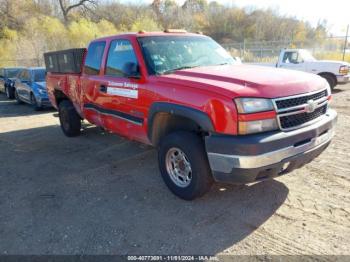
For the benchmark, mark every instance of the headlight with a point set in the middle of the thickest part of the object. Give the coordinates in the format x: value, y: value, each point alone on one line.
x: 253, y: 105
x: 42, y: 91
x: 343, y: 70
x: 255, y: 115
x: 258, y: 126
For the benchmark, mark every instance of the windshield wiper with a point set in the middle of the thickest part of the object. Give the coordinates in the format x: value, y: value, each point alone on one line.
x: 179, y: 68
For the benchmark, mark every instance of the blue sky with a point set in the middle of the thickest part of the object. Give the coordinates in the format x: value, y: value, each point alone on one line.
x: 336, y: 12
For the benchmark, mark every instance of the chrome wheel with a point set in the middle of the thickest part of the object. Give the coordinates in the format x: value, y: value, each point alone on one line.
x: 178, y: 167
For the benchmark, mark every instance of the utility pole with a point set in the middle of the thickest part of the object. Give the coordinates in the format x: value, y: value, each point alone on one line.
x: 346, y: 42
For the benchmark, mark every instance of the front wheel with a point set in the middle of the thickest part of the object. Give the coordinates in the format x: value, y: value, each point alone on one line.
x: 18, y: 100
x: 332, y: 81
x: 69, y: 119
x: 34, y: 103
x: 184, y: 165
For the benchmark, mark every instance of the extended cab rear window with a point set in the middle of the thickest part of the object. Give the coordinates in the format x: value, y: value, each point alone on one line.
x: 94, y: 58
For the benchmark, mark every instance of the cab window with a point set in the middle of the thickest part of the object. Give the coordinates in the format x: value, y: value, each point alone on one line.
x: 291, y: 58
x: 10, y: 73
x: 24, y: 75
x: 121, y: 59
x: 94, y: 58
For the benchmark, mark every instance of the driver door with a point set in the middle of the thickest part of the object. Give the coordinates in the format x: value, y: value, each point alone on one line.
x: 122, y: 92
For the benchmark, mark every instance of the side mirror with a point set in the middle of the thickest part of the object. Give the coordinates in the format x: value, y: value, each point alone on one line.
x: 132, y: 70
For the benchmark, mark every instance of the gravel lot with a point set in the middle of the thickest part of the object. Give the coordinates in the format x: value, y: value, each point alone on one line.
x: 102, y: 194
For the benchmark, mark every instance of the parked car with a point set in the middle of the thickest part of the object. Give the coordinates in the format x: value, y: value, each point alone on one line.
x: 210, y: 118
x: 335, y: 72
x: 30, y: 87
x: 7, y: 76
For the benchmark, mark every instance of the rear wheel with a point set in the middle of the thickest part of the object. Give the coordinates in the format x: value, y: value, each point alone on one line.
x: 34, y: 103
x: 69, y: 119
x: 184, y: 165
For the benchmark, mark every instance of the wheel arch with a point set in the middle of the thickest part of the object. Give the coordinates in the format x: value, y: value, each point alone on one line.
x: 167, y: 117
x: 59, y: 96
x: 329, y: 74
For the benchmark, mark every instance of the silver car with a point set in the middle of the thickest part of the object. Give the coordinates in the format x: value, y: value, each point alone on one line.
x: 7, y: 77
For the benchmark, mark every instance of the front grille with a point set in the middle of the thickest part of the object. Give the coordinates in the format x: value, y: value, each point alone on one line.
x: 300, y: 119
x: 282, y: 104
x: 296, y: 111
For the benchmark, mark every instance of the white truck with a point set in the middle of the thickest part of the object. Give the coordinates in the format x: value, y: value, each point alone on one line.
x: 335, y: 72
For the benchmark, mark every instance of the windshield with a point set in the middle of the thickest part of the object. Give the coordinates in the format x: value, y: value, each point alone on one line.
x: 306, y: 55
x: 165, y: 54
x: 39, y: 75
x: 11, y: 73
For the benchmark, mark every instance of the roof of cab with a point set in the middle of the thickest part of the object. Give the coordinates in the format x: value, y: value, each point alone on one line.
x: 145, y: 34
x: 36, y: 68
x: 12, y: 68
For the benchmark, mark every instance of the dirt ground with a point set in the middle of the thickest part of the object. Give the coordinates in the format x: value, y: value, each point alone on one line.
x: 101, y: 194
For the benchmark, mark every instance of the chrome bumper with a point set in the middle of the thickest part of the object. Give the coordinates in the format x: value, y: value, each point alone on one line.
x: 269, y: 152
x: 225, y: 163
x: 343, y: 79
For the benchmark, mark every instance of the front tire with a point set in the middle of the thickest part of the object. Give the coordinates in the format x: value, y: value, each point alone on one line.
x: 34, y: 103
x: 332, y: 81
x: 18, y: 100
x: 69, y: 119
x: 184, y: 165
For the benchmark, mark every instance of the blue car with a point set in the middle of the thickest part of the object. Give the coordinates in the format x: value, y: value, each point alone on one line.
x: 30, y: 88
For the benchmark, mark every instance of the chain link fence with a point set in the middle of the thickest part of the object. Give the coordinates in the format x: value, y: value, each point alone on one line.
x: 30, y: 62
x: 332, y: 48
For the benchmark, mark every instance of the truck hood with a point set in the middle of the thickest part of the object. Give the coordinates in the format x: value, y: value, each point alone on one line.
x: 334, y: 63
x: 245, y: 80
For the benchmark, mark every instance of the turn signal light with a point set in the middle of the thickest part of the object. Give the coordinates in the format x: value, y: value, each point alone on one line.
x: 258, y: 126
x: 344, y: 70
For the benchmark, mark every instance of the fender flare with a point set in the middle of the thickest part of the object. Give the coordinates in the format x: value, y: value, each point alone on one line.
x: 199, y: 117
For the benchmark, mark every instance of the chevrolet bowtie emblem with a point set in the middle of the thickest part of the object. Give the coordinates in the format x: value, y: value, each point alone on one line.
x: 311, y: 106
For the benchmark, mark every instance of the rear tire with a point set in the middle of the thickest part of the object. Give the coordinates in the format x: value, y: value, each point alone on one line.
x: 184, y: 165
x: 18, y: 100
x: 332, y: 81
x: 69, y: 119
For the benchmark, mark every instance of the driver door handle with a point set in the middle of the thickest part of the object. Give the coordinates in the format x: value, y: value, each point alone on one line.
x: 103, y: 88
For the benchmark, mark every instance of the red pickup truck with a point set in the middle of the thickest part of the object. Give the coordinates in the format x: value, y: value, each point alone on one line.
x: 210, y: 118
